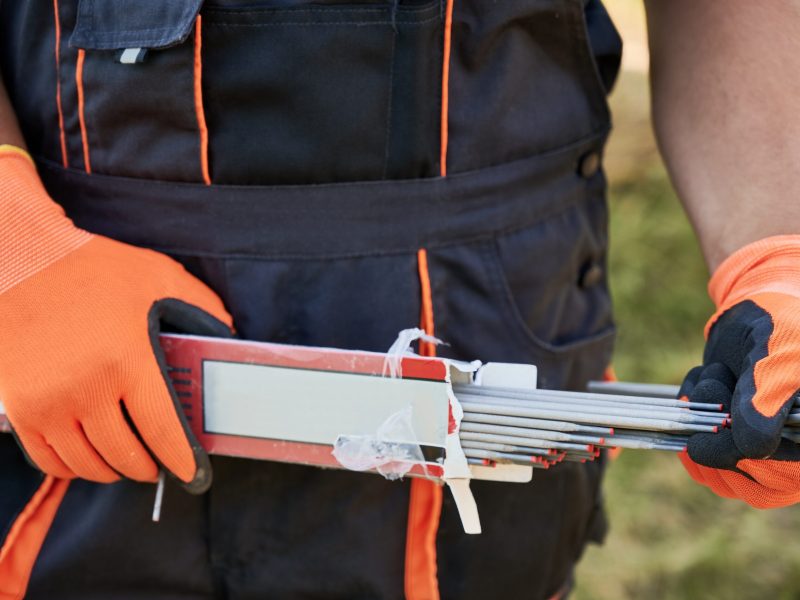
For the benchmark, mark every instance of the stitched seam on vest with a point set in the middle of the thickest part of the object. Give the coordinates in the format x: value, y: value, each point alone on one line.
x: 62, y: 136
x: 198, y: 101
x: 81, y: 116
x: 448, y: 25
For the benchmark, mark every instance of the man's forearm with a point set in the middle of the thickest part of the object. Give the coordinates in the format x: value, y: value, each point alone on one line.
x: 726, y: 95
x: 9, y: 128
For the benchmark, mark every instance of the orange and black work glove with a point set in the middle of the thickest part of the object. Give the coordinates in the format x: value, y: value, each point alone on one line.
x: 82, y: 376
x: 751, y: 365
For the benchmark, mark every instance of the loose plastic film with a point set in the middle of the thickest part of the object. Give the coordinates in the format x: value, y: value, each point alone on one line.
x: 394, y: 449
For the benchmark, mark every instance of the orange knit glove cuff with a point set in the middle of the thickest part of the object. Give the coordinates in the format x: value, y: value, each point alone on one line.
x: 768, y: 265
x: 34, y: 232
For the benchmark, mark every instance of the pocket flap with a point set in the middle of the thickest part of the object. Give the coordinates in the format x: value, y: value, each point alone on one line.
x: 118, y: 24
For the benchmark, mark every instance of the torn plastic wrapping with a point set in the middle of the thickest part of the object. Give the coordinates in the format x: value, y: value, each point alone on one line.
x: 392, y: 451
x: 393, y: 364
x: 394, y: 448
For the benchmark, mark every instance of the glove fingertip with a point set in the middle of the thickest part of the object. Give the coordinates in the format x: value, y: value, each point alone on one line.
x: 755, y: 442
x: 691, y: 379
x: 158, y: 409
x: 714, y: 450
x: 719, y: 372
x: 755, y: 435
x: 203, y: 474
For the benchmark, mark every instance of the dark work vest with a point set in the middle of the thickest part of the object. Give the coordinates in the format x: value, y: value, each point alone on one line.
x: 296, y: 156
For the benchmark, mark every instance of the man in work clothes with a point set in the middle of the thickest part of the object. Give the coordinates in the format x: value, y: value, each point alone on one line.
x: 336, y: 172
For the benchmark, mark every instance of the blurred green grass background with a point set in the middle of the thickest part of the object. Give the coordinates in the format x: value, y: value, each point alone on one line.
x: 670, y: 538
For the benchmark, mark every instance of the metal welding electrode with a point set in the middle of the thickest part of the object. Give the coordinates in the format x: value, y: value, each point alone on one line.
x: 478, y: 417
x: 556, y: 436
x: 680, y: 415
x: 584, y: 397
x: 503, y: 457
x: 588, y: 418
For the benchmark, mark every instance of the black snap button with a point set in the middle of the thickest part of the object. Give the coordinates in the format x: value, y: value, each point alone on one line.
x: 589, y: 164
x: 591, y: 274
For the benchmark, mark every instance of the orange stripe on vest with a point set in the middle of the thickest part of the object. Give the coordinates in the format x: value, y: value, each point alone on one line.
x: 425, y: 498
x: 198, y: 100
x: 58, y: 87
x: 81, y: 116
x: 24, y: 540
x: 448, y: 26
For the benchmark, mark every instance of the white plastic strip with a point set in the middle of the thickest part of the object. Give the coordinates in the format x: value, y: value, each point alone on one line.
x: 402, y: 347
x: 457, y: 473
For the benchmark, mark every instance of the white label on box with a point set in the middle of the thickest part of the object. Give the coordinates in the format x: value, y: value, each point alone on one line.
x: 310, y: 406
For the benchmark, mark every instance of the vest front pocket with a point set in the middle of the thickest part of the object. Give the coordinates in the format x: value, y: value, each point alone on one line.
x: 257, y: 93
x: 322, y: 93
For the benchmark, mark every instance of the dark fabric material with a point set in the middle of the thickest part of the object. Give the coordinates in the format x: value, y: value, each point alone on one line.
x: 103, y: 544
x: 353, y: 91
x: 528, y: 70
x: 27, y: 65
x: 68, y: 58
x: 324, y: 133
x: 605, y: 42
x: 115, y: 24
x: 19, y: 483
x: 120, y: 103
x: 388, y: 217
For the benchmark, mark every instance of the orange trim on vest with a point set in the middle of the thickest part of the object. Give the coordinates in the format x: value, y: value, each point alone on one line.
x: 448, y: 26
x: 198, y: 100
x: 426, y: 312
x: 425, y: 497
x: 81, y: 117
x: 24, y: 540
x: 424, y: 510
x: 58, y: 87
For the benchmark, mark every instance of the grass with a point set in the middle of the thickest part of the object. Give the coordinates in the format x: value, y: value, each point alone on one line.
x: 670, y: 538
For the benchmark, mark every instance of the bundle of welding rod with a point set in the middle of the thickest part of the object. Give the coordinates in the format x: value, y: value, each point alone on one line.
x: 540, y: 428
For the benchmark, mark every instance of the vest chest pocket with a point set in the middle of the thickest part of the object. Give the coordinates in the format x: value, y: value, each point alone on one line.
x: 551, y: 284
x: 262, y: 93
x: 535, y: 293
